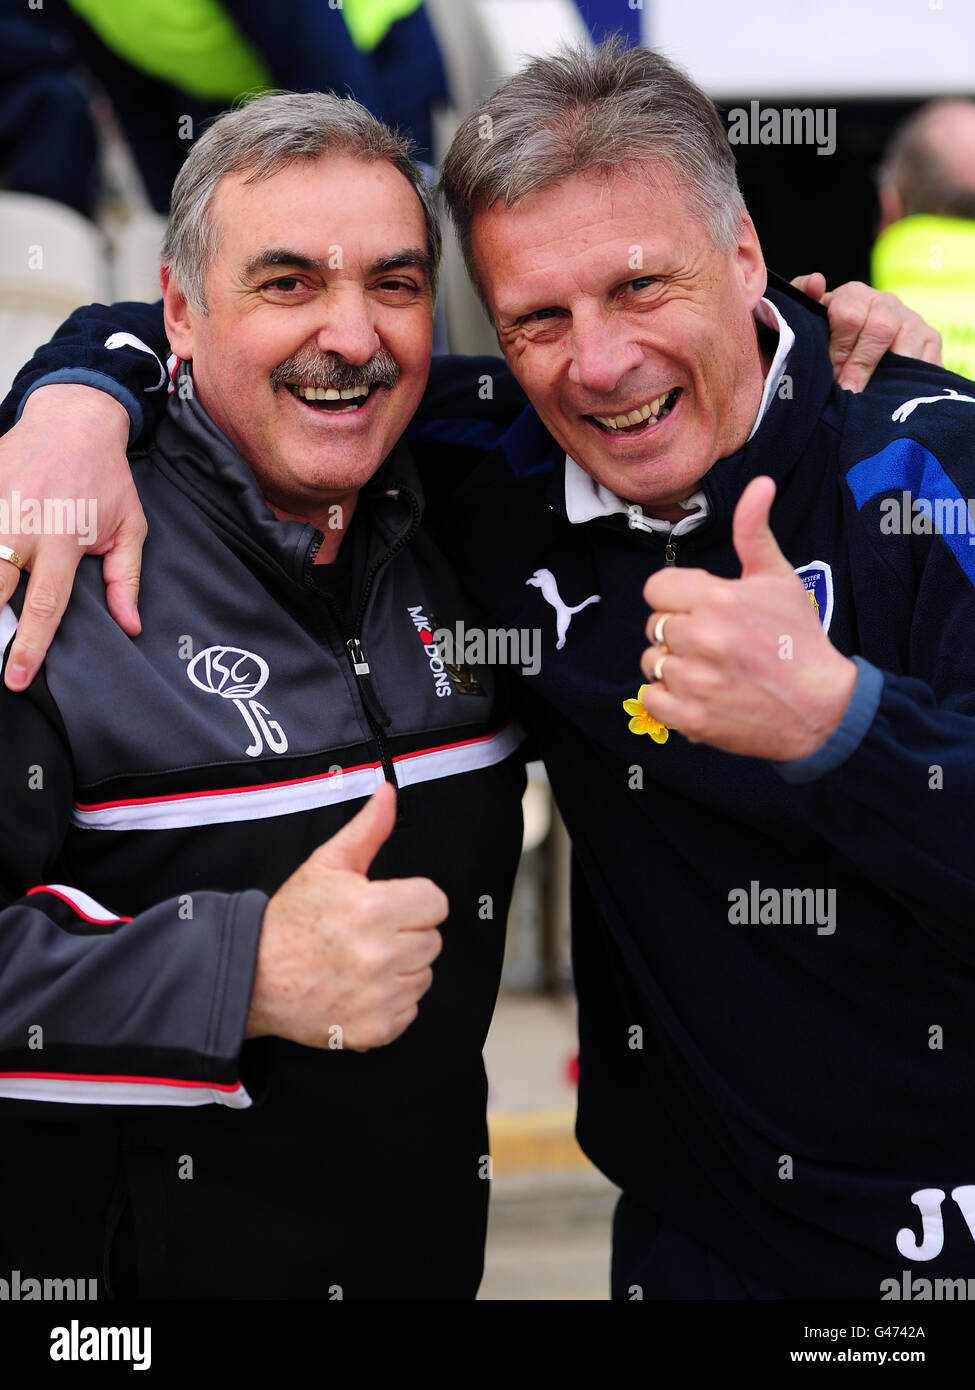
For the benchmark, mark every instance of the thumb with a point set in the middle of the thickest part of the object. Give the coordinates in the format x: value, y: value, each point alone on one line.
x: 755, y: 546
x: 356, y: 845
x: 813, y: 284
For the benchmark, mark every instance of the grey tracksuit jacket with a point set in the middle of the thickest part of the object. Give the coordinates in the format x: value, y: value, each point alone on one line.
x: 156, y: 792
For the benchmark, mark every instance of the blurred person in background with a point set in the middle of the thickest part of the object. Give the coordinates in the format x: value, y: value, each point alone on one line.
x: 169, y: 67
x: 48, y: 146
x: 925, y: 252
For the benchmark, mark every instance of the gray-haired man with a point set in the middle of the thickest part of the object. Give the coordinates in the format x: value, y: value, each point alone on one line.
x: 217, y: 1077
x: 763, y: 942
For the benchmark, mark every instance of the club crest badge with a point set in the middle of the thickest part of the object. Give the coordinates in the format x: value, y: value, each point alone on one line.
x: 818, y: 579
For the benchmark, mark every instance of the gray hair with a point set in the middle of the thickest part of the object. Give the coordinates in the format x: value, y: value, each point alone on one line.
x: 917, y: 164
x: 582, y: 109
x: 262, y: 138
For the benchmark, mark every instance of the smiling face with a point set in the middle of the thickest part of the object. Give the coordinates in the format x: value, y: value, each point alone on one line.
x: 322, y: 275
x: 631, y: 334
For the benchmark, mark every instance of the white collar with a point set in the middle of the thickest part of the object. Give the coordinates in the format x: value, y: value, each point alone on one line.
x: 586, y: 499
x: 766, y: 312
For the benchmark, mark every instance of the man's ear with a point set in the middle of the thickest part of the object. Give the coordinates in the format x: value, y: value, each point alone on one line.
x: 178, y: 314
x: 750, y: 262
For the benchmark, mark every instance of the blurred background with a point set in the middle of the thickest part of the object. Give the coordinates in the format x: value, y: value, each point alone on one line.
x: 855, y: 137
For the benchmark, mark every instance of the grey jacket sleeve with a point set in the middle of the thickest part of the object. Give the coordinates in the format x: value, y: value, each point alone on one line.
x: 97, y: 1008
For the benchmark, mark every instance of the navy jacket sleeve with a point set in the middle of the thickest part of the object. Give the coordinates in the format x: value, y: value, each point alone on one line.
x: 118, y: 348
x: 97, y: 1008
x: 894, y: 786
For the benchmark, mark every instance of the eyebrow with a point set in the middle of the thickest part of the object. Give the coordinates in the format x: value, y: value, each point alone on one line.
x: 273, y: 256
x: 280, y: 255
x: 510, y: 317
x: 409, y: 257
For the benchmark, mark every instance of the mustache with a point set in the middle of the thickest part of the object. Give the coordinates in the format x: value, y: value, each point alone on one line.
x: 310, y: 368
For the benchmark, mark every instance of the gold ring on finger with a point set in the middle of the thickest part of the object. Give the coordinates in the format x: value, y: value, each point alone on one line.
x: 7, y: 554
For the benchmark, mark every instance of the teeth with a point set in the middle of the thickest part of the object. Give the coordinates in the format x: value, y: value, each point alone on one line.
x: 329, y: 393
x: 635, y: 416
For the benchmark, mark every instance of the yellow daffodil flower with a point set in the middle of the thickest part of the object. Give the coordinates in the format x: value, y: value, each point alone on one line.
x: 642, y: 723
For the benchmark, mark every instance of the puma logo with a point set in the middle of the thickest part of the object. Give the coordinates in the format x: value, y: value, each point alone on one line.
x: 545, y: 580
x: 908, y: 408
x: 117, y: 340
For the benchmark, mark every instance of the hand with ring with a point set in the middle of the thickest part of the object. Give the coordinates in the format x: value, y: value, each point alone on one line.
x: 744, y: 664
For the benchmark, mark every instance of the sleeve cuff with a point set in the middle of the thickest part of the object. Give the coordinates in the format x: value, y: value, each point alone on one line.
x: 256, y: 1056
x: 84, y: 376
x: 849, y: 733
x: 233, y: 991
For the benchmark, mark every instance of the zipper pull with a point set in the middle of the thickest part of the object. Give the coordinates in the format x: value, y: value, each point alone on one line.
x: 359, y: 663
x: 362, y: 673
x: 670, y: 553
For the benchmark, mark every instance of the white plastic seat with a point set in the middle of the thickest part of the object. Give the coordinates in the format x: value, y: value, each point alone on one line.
x: 136, y: 263
x: 51, y: 261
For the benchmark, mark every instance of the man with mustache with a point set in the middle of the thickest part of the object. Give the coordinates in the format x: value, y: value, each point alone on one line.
x: 629, y: 296
x: 227, y: 1066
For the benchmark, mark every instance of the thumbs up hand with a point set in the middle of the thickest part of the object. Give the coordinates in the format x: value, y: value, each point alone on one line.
x: 755, y: 545
x: 744, y: 664
x: 344, y: 960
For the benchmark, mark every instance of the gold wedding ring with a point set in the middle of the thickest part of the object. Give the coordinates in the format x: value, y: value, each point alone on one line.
x: 658, y: 629
x: 7, y: 554
x: 658, y: 667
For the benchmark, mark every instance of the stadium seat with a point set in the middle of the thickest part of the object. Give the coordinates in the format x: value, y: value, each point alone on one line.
x: 51, y: 261
x: 136, y: 261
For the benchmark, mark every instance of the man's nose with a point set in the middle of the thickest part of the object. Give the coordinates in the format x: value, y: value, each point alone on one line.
x: 349, y: 327
x: 602, y: 352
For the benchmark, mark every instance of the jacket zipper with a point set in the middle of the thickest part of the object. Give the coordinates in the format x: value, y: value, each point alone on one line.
x: 374, y: 711
x: 376, y: 716
x: 670, y: 549
x: 379, y: 720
